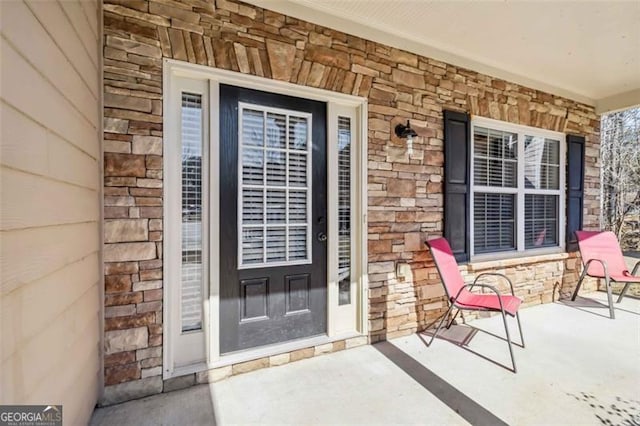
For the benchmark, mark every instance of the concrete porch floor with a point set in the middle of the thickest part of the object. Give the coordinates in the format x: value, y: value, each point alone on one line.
x: 578, y: 367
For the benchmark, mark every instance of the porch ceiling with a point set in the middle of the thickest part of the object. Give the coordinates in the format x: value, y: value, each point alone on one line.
x: 587, y: 51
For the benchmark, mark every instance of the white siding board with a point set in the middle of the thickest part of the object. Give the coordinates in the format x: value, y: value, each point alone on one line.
x: 26, y: 89
x: 78, y: 20
x: 30, y: 254
x: 89, y: 8
x: 27, y: 145
x: 26, y: 196
x: 23, y: 142
x: 20, y: 28
x: 78, y: 405
x: 53, y: 19
x: 53, y: 294
x: 58, y: 338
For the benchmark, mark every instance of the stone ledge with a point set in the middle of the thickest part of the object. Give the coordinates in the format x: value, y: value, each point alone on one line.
x: 516, y: 261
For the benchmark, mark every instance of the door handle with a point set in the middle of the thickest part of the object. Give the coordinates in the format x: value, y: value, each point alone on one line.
x: 322, y: 237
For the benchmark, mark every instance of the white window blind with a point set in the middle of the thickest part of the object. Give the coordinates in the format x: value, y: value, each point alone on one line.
x: 275, y: 182
x: 495, y: 158
x: 344, y: 210
x: 494, y: 222
x: 192, y: 133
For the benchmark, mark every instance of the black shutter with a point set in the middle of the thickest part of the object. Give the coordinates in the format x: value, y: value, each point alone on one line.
x: 575, y: 188
x: 457, y: 183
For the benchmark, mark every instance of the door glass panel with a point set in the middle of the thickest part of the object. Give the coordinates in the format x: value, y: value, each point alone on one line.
x: 253, y: 129
x: 275, y: 171
x: 276, y: 206
x: 298, y: 130
x: 276, y: 168
x: 276, y: 244
x: 276, y: 130
x: 252, y: 245
x: 297, y: 243
x: 252, y: 166
x: 191, y: 289
x: 298, y: 170
x: 344, y: 210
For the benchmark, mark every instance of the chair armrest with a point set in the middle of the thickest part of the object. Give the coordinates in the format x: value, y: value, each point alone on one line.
x: 602, y: 262
x: 490, y: 287
x: 496, y: 274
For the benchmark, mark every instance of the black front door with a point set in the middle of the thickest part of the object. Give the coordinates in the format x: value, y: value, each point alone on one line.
x: 273, y: 218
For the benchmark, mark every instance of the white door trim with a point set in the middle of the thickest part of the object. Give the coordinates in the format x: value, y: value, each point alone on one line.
x: 337, y: 103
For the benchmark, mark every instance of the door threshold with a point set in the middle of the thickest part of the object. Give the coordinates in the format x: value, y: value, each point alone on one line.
x: 278, y: 348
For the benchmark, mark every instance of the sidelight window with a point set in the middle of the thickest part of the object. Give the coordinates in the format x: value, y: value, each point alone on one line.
x: 192, y: 136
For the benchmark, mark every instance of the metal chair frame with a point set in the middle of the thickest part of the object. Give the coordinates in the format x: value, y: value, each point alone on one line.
x: 607, y: 281
x: 460, y: 308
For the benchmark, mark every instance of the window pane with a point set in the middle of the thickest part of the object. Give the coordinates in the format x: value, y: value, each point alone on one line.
x: 252, y: 206
x: 252, y: 245
x: 541, y: 220
x: 298, y: 170
x: 276, y: 130
x: 495, y: 158
x: 276, y: 244
x: 344, y: 210
x: 297, y: 243
x: 276, y: 168
x: 494, y: 222
x: 191, y: 135
x: 252, y: 166
x: 276, y: 206
x: 298, y: 133
x: 297, y: 206
x: 252, y: 127
x: 542, y: 163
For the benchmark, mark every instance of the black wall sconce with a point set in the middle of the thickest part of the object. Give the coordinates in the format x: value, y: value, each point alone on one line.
x: 406, y: 132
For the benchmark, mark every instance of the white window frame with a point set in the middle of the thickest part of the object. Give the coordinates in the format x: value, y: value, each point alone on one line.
x: 519, y: 191
x: 265, y: 225
x: 344, y: 321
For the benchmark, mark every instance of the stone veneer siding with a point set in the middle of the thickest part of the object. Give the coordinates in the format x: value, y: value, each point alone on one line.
x: 405, y: 195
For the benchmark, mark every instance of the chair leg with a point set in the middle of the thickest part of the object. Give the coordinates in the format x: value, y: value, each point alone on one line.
x: 506, y: 329
x: 622, y: 293
x: 520, y: 328
x: 453, y: 318
x: 575, y: 292
x: 610, y: 297
x: 440, y: 325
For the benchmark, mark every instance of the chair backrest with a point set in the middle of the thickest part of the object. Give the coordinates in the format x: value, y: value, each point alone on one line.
x: 447, y: 266
x: 603, y: 246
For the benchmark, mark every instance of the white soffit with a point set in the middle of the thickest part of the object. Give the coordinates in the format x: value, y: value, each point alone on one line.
x: 584, y: 50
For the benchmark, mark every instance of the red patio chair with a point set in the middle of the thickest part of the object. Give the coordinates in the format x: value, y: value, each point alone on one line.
x: 604, y: 249
x: 460, y: 296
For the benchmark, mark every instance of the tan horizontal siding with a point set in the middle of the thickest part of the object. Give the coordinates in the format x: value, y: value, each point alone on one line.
x: 50, y: 263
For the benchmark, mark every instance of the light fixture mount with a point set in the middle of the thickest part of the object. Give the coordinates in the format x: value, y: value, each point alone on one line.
x: 406, y: 132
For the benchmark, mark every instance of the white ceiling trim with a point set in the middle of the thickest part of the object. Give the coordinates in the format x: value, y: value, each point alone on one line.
x: 384, y: 36
x: 618, y: 102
